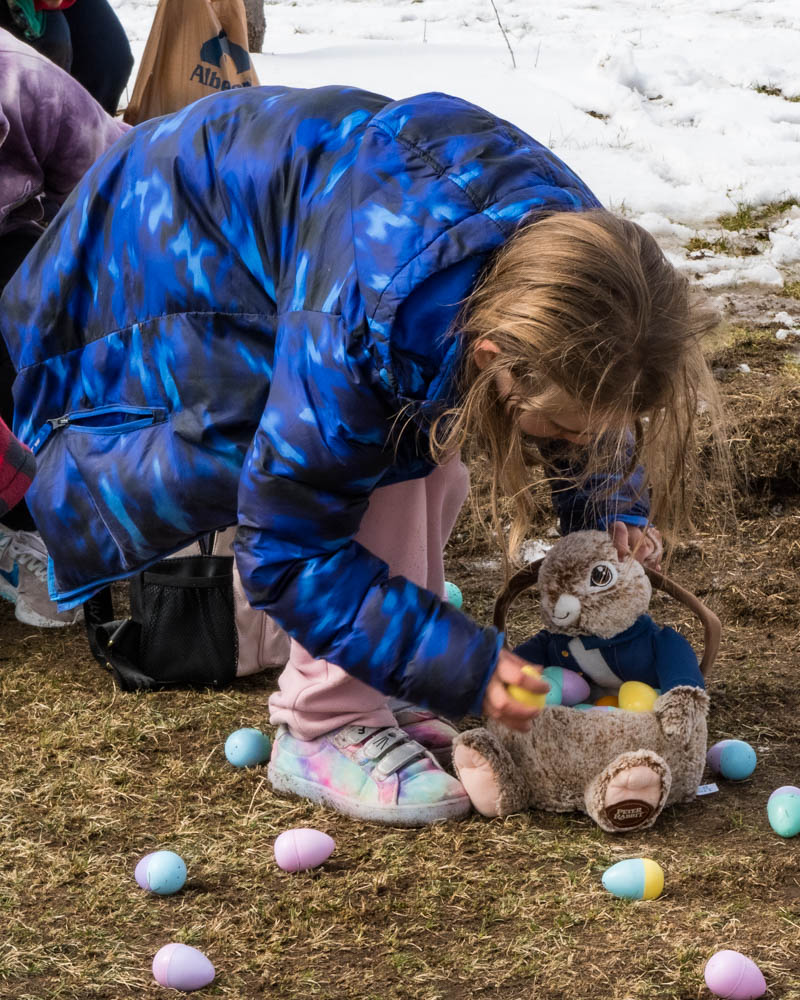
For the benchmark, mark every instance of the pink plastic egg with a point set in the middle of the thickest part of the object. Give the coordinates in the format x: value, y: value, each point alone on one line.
x: 182, y: 967
x: 734, y: 976
x: 301, y: 848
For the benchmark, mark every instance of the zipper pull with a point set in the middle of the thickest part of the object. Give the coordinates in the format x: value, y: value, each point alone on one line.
x: 47, y: 429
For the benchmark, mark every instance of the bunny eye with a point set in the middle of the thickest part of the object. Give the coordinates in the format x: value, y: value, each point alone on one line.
x: 602, y: 576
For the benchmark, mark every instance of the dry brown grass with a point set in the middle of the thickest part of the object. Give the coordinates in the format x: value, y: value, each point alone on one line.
x: 92, y: 780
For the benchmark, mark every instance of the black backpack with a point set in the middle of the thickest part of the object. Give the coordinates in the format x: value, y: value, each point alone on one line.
x: 182, y: 628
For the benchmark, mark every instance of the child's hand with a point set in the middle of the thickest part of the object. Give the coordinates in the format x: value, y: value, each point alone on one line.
x: 645, y: 544
x: 498, y: 703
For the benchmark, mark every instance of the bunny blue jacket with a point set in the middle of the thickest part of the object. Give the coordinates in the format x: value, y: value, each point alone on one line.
x: 653, y: 654
x: 222, y: 324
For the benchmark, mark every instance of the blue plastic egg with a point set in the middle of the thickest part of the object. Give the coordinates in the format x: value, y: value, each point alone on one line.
x: 246, y: 747
x: 733, y: 759
x: 453, y: 595
x: 162, y: 872
x: 635, y: 878
x: 783, y: 811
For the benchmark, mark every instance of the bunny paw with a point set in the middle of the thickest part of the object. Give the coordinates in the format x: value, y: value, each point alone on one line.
x: 478, y: 778
x: 630, y: 793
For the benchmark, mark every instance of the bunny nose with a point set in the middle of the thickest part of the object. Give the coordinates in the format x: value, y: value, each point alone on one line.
x: 567, y: 610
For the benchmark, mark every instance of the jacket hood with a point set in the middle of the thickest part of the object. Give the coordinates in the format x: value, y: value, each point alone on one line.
x: 431, y: 201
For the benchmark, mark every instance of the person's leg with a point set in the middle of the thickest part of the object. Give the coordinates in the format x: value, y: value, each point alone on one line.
x: 55, y: 42
x: 338, y: 742
x: 316, y: 696
x: 101, y: 55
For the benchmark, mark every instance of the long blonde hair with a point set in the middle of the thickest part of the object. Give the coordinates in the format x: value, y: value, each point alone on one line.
x: 586, y: 303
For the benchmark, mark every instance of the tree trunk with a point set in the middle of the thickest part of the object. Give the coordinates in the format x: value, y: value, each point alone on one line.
x: 256, y: 24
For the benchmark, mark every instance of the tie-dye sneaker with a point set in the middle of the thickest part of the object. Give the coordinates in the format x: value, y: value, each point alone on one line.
x: 372, y: 773
x: 432, y: 731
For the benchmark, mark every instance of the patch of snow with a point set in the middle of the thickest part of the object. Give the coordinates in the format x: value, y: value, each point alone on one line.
x: 653, y: 104
x: 533, y: 549
x: 785, y: 243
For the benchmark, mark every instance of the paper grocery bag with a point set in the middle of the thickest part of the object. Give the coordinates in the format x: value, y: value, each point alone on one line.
x: 195, y: 48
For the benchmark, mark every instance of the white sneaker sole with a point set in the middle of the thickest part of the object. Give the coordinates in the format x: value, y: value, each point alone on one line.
x: 28, y: 616
x: 397, y: 815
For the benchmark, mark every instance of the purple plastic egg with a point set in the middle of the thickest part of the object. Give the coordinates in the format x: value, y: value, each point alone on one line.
x: 182, y: 967
x: 734, y: 976
x: 792, y: 790
x: 302, y: 848
x: 574, y: 688
x: 140, y: 872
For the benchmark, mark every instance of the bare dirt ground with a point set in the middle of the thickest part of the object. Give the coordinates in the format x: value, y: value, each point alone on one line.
x: 90, y: 780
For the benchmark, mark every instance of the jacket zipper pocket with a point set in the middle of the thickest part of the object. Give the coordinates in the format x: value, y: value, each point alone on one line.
x: 132, y: 418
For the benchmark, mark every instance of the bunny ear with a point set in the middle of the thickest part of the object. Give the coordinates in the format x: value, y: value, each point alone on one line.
x: 519, y: 582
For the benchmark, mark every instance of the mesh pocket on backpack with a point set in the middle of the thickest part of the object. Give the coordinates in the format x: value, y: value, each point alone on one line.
x: 188, y: 627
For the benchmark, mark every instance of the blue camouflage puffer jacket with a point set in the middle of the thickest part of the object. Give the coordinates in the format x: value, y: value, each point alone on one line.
x: 221, y: 325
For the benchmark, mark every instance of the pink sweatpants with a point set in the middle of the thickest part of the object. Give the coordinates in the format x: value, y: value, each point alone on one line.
x: 407, y: 525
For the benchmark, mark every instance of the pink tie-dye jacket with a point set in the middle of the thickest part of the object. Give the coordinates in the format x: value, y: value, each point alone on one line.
x: 51, y: 131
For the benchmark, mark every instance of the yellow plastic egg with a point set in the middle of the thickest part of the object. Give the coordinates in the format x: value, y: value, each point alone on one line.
x: 634, y: 696
x: 523, y: 695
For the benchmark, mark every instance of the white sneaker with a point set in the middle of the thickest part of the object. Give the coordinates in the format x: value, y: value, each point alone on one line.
x: 432, y: 731
x: 374, y: 773
x: 23, y: 580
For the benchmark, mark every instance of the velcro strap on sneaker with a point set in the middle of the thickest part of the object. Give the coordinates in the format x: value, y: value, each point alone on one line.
x: 349, y: 736
x: 384, y: 741
x: 399, y: 757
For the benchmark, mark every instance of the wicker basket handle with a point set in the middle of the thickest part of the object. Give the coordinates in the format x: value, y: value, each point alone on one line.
x: 527, y: 578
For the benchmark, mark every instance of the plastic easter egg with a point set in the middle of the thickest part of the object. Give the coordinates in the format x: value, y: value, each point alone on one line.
x: 783, y: 811
x: 182, y: 967
x: 566, y: 686
x: 733, y: 759
x: 635, y: 878
x: 553, y: 677
x: 140, y: 872
x: 634, y: 696
x: 247, y: 747
x: 526, y: 697
x: 734, y: 976
x: 608, y: 701
x: 302, y: 848
x: 453, y: 595
x: 162, y: 872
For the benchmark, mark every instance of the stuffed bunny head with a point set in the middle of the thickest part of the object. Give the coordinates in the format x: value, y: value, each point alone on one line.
x: 586, y: 590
